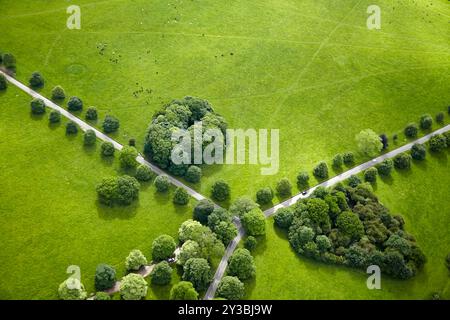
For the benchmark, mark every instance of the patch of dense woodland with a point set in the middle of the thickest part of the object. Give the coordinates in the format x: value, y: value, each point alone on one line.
x: 349, y: 226
x: 181, y: 115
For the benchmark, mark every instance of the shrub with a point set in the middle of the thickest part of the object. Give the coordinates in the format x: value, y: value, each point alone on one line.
x: 299, y: 236
x: 369, y: 143
x: 284, y: 217
x: 180, y: 197
x: 242, y: 205
x: 127, y: 190
x: 110, y: 124
x: 132, y: 142
x: 349, y: 158
x: 264, y: 195
x: 385, y: 167
x: 72, y: 289
x: 225, y: 231
x: 3, y: 82
x: 107, y: 149
x: 198, y: 272
x: 183, y: 290
x: 105, y: 277
x: 426, y: 121
x: 133, y: 287
x: 418, y: 152
x: 162, y: 183
x: 89, y: 137
x: 161, y: 274
x: 447, y: 138
x: 438, y: 143
x: 202, y: 210
x: 127, y: 157
x: 250, y: 243
x: 9, y: 61
x: 384, y: 141
x: 54, y: 116
x: 370, y: 175
x: 36, y: 80
x: 71, y: 127
x: 353, y: 181
x: 254, y: 222
x: 102, y: 296
x: 91, y: 114
x: 231, y: 288
x: 284, y: 187
x: 189, y: 249
x: 323, y: 243
x: 135, y: 260
x: 37, y: 106
x: 321, y: 171
x: 349, y: 224
x: 411, y: 130
x: 75, y: 104
x: 302, y: 178
x: 217, y: 216
x: 440, y: 117
x: 242, y: 265
x: 193, y: 174
x: 163, y: 247
x: 338, y: 161
x: 58, y: 93
x: 402, y: 161
x: 220, y: 190
x: 144, y: 173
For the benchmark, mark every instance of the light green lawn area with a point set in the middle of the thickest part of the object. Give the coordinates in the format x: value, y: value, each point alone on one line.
x: 420, y: 196
x: 310, y: 68
x: 49, y: 214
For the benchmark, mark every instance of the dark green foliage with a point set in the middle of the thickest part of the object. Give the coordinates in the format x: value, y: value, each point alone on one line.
x: 198, y: 272
x: 440, y: 117
x: 203, y: 209
x: 231, y: 288
x: 284, y: 217
x: 183, y: 290
x: 3, y: 82
x: 9, y: 61
x: 225, y: 231
x: 105, y: 277
x: 193, y: 174
x: 447, y: 138
x: 353, y: 181
x: 370, y: 175
x: 418, y: 152
x: 89, y: 137
x: 58, y: 93
x: 264, y: 195
x: 110, y: 124
x: 91, y: 114
x: 220, y: 190
x: 241, y: 265
x: 36, y: 80
x: 447, y: 261
x: 163, y: 247
x: 118, y: 190
x: 426, y: 121
x: 321, y: 171
x: 411, y: 130
x: 75, y: 104
x: 180, y: 197
x: 385, y: 167
x: 242, y: 205
x: 349, y: 224
x: 161, y: 274
x: 103, y: 296
x: 37, y: 106
x: 338, y: 161
x: 402, y: 161
x: 384, y: 140
x: 132, y: 142
x: 107, y: 149
x: 254, y: 222
x: 438, y: 143
x: 54, y: 116
x: 349, y: 158
x: 250, y: 243
x: 71, y: 127
x: 284, y: 187
x: 144, y: 173
x: 127, y: 157
x: 162, y: 183
x: 303, y: 178
x: 215, y: 217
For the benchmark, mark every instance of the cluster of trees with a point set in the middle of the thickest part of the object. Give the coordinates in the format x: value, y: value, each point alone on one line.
x: 181, y: 115
x: 252, y: 218
x: 348, y: 225
x: 121, y: 190
x: 425, y: 123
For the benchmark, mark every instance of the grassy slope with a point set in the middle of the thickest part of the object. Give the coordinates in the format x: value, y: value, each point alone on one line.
x: 50, y: 218
x: 420, y: 196
x: 310, y: 68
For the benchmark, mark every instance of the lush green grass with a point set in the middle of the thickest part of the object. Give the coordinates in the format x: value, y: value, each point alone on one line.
x: 50, y: 217
x: 310, y: 68
x: 420, y: 196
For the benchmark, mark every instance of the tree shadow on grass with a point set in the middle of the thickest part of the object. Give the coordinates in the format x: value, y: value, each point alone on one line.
x: 90, y: 150
x: 37, y: 117
x: 53, y: 126
x: 387, y: 179
x: 420, y: 164
x: 180, y: 209
x: 108, y: 161
x: 162, y: 197
x: 116, y: 211
x: 440, y: 157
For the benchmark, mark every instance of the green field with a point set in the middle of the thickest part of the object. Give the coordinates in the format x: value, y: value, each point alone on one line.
x: 50, y: 217
x: 420, y: 196
x: 310, y: 68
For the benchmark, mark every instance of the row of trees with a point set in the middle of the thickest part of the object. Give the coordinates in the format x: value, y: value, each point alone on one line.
x: 8, y: 61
